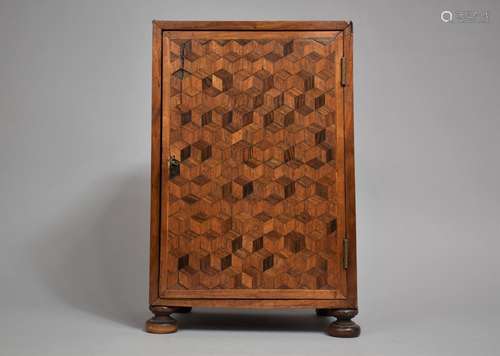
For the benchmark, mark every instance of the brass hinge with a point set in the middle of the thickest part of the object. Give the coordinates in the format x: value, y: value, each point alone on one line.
x: 343, y: 71
x: 346, y: 253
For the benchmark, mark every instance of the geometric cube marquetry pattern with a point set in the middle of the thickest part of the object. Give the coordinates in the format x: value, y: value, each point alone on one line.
x: 252, y: 124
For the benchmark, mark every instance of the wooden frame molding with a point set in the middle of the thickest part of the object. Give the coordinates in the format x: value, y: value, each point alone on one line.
x: 251, y: 25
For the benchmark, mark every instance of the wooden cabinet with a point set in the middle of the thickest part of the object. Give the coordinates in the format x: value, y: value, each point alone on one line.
x: 252, y: 181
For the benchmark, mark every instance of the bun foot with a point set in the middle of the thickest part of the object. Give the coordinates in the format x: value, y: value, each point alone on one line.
x: 343, y: 326
x: 161, y: 325
x: 161, y: 322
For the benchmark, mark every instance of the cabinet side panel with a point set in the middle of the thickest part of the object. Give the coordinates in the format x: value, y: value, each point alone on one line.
x: 155, y: 164
x: 349, y: 168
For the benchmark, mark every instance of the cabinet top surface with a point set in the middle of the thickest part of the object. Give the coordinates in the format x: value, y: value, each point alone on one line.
x: 252, y: 25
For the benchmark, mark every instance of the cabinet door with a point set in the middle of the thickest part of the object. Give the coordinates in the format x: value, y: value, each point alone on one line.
x: 253, y: 195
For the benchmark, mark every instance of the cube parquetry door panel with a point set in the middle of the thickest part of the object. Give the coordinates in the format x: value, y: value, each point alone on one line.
x: 253, y: 165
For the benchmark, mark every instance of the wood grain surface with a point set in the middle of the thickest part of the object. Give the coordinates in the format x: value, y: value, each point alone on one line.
x: 252, y: 165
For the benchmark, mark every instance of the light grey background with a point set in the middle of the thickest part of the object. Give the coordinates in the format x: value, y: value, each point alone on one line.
x: 74, y: 182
